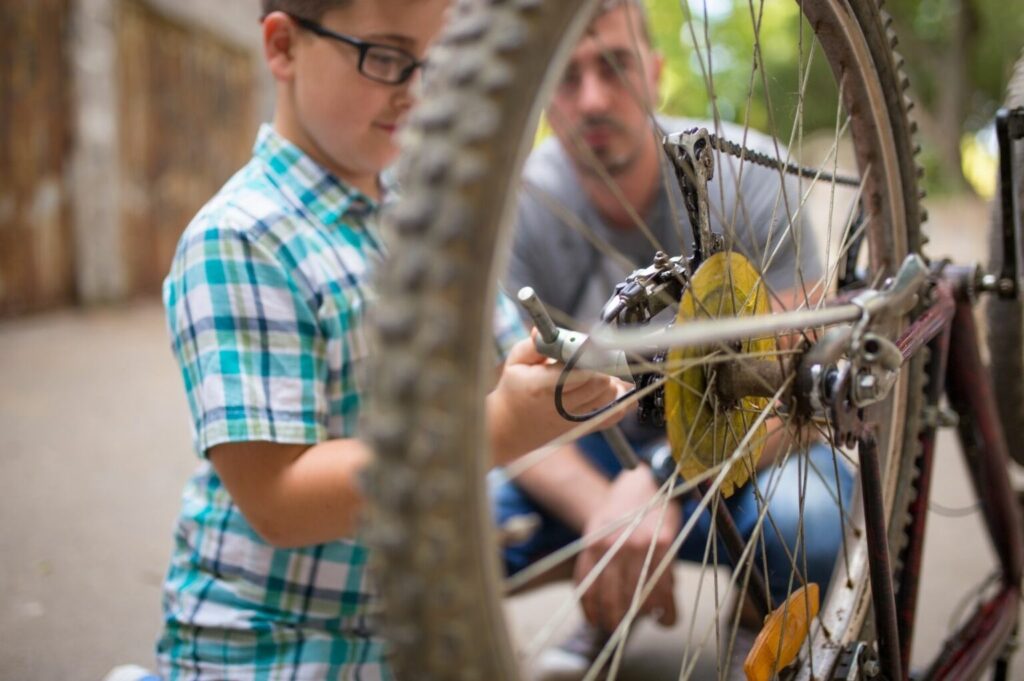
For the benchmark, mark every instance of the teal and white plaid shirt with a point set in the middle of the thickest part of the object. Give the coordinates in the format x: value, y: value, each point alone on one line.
x: 265, y: 301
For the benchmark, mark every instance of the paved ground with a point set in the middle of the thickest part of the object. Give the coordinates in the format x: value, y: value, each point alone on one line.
x: 94, y: 449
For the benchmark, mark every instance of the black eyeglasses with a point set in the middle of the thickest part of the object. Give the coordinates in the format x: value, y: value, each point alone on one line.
x: 382, y: 63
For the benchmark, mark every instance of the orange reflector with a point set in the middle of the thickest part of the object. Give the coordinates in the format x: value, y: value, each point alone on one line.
x: 783, y: 633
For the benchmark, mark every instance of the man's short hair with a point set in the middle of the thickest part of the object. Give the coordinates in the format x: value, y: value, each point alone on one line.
x: 307, y: 9
x: 645, y: 25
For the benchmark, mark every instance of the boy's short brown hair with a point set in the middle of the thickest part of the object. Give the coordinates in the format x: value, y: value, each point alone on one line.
x: 307, y: 9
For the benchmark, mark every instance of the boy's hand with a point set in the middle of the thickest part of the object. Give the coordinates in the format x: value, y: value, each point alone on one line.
x: 521, y: 408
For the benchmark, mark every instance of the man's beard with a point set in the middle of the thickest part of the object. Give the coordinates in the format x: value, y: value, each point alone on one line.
x: 597, y: 162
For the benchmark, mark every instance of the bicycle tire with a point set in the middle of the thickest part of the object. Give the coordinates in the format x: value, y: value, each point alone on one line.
x: 464, y: 147
x: 1005, y: 317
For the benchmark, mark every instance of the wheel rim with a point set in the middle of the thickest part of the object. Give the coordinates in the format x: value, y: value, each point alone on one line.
x: 892, y: 233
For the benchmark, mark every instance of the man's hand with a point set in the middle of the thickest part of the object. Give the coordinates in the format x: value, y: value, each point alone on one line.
x: 521, y: 409
x: 609, y: 598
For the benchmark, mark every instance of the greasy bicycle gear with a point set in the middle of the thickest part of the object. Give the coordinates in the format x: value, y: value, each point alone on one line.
x: 705, y: 428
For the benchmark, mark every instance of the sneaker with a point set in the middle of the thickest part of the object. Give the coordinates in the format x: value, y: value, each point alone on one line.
x: 130, y: 672
x: 571, y: 659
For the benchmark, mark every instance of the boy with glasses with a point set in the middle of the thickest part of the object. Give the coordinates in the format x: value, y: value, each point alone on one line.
x: 265, y: 303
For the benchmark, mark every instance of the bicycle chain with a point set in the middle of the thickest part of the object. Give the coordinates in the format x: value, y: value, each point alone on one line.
x: 757, y: 158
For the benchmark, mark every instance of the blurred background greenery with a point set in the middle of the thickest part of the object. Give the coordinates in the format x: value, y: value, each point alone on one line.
x: 958, y: 55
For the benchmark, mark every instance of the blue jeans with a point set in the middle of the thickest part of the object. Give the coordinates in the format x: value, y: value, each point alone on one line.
x: 822, y: 521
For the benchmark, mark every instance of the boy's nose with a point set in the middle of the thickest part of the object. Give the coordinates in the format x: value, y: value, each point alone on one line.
x: 403, y: 97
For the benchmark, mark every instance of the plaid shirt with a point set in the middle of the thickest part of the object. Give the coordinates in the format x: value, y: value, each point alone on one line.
x: 264, y: 301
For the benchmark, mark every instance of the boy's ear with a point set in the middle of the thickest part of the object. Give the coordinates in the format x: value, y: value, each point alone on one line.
x: 279, y: 38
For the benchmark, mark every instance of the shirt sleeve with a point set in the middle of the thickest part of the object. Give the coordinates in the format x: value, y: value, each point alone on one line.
x: 508, y: 327
x: 528, y: 261
x: 773, y: 226
x: 793, y: 255
x: 247, y: 342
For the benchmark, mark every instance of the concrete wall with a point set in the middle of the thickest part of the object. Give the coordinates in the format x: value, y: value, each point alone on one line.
x: 35, y: 133
x: 94, y: 164
x: 92, y: 260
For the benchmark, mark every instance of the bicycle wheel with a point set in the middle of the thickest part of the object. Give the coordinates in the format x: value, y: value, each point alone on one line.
x: 1005, y: 327
x: 494, y: 72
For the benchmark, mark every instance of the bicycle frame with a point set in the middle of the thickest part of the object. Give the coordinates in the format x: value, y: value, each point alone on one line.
x: 947, y: 326
x: 1009, y: 129
x: 956, y: 367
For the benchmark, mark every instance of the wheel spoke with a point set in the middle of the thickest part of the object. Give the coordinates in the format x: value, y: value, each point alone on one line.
x: 782, y: 134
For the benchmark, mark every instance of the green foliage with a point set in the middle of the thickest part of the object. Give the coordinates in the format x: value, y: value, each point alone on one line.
x: 743, y: 92
x: 958, y: 53
x: 992, y: 32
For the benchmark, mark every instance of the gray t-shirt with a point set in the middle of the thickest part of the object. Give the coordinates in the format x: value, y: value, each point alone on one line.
x: 572, y: 275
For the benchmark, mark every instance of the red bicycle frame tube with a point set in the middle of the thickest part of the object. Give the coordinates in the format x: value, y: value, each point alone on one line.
x: 937, y: 317
x: 948, y: 324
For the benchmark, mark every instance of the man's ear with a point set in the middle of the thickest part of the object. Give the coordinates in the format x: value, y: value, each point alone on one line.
x: 657, y: 66
x: 654, y: 67
x: 279, y: 38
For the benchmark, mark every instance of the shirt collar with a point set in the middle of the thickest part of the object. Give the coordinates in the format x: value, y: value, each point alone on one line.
x: 312, y: 186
